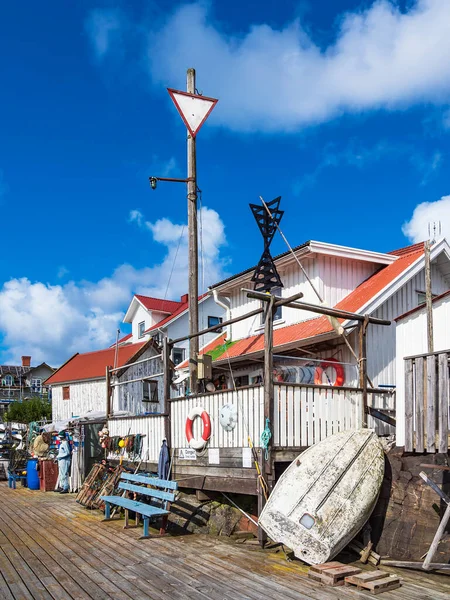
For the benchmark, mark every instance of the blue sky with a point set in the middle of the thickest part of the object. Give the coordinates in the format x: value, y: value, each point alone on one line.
x: 342, y: 108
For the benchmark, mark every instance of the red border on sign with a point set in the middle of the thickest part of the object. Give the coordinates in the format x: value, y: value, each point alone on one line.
x: 213, y: 100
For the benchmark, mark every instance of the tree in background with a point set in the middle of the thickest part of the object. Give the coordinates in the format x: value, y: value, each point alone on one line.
x: 34, y: 409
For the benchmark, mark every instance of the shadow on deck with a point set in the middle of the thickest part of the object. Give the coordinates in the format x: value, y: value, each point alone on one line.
x: 51, y: 547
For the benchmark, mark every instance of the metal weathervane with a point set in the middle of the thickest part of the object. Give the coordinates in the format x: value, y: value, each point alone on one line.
x: 268, y: 217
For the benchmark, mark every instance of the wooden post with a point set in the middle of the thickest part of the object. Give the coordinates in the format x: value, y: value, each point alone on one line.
x: 409, y: 405
x: 108, y: 394
x: 268, y: 405
x: 429, y: 297
x: 192, y: 246
x: 166, y: 384
x: 431, y: 403
x: 437, y: 538
x: 363, y: 369
x: 419, y: 388
x: 443, y: 402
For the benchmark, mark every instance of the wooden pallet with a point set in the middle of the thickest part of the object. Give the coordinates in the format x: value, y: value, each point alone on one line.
x: 332, y: 573
x: 375, y: 582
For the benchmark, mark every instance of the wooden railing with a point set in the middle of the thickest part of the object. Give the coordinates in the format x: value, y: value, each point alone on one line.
x: 427, y: 402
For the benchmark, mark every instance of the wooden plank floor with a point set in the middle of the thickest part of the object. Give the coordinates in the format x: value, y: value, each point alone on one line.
x: 52, y: 548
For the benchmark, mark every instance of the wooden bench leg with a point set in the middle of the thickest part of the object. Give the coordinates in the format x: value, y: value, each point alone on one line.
x: 107, y: 512
x: 126, y: 519
x: 162, y: 530
x: 146, y: 534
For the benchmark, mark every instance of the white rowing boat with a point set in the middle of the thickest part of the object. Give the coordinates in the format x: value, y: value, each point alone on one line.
x: 326, y: 495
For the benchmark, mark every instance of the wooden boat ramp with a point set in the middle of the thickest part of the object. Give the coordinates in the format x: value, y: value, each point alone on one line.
x: 52, y: 548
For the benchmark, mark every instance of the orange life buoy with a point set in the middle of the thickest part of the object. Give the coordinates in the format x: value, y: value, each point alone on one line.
x: 337, y: 366
x: 195, y: 443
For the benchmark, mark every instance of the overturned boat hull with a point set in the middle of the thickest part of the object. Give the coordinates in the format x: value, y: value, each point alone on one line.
x: 326, y: 495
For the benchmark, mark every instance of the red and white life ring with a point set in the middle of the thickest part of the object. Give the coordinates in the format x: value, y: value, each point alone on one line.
x: 198, y: 411
x: 337, y: 366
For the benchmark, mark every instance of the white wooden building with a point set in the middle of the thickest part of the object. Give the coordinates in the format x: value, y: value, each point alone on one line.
x: 379, y: 284
x: 79, y: 385
x: 155, y: 318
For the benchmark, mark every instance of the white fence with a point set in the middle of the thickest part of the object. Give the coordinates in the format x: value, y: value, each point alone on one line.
x: 303, y: 416
x: 151, y: 426
x: 306, y: 415
x: 249, y: 403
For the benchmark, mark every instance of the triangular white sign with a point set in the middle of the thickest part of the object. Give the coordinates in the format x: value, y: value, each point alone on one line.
x: 194, y: 109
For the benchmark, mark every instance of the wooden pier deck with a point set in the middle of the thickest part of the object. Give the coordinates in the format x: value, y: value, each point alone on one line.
x: 51, y: 548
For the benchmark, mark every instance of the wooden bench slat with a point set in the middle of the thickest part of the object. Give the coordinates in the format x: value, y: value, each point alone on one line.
x: 163, y: 483
x: 170, y: 496
x: 139, y: 507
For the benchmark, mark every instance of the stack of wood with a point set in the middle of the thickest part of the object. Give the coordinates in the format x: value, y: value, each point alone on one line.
x: 110, y: 486
x: 375, y: 582
x: 332, y: 573
x: 92, y: 486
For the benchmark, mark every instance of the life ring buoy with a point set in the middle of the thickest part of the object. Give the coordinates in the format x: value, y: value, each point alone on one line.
x: 198, y: 411
x: 337, y: 366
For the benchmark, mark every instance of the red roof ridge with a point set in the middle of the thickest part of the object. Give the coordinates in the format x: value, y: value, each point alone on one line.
x: 408, y: 249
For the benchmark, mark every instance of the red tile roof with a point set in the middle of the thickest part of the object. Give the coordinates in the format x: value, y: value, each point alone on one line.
x: 181, y: 308
x: 355, y: 301
x: 123, y: 340
x: 167, y: 306
x: 92, y: 365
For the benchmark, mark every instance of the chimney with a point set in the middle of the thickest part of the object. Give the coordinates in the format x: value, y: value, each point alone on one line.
x: 184, y: 298
x: 26, y: 361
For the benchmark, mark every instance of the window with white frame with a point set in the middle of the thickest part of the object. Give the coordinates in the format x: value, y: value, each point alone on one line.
x: 422, y: 297
x: 276, y: 291
x: 149, y: 390
x: 141, y: 329
x: 8, y: 380
x: 36, y: 385
x: 215, y: 321
x: 177, y: 355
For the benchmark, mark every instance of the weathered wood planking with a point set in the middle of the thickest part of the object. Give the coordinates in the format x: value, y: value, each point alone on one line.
x: 426, y: 420
x: 431, y: 404
x: 443, y: 402
x: 409, y: 405
x: 72, y: 554
x: 419, y: 387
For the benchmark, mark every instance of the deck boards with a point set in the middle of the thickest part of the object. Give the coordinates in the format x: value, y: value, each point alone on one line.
x: 52, y: 548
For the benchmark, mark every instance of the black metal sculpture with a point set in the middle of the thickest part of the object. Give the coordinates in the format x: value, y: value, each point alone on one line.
x: 266, y: 276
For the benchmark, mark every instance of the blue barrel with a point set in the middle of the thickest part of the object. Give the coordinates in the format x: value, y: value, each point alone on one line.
x: 32, y: 474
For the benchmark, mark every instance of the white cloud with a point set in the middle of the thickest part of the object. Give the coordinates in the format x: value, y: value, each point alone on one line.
x: 280, y: 79
x: 104, y: 28
x: 425, y: 215
x: 62, y: 271
x: 427, y: 166
x: 52, y: 322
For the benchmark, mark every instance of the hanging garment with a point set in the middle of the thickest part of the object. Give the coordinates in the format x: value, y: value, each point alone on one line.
x: 163, y: 462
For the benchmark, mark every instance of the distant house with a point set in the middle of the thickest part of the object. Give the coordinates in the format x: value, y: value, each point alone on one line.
x: 21, y: 382
x: 155, y: 318
x: 79, y: 386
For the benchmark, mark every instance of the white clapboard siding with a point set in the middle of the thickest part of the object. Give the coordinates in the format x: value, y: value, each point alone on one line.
x: 304, y: 416
x: 151, y: 426
x: 249, y: 403
x: 84, y: 396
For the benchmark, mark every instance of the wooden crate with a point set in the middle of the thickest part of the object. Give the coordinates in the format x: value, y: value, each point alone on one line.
x: 332, y: 573
x: 375, y: 582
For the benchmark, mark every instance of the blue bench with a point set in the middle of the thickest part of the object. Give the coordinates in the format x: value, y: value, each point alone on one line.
x: 13, y: 476
x: 161, y: 494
